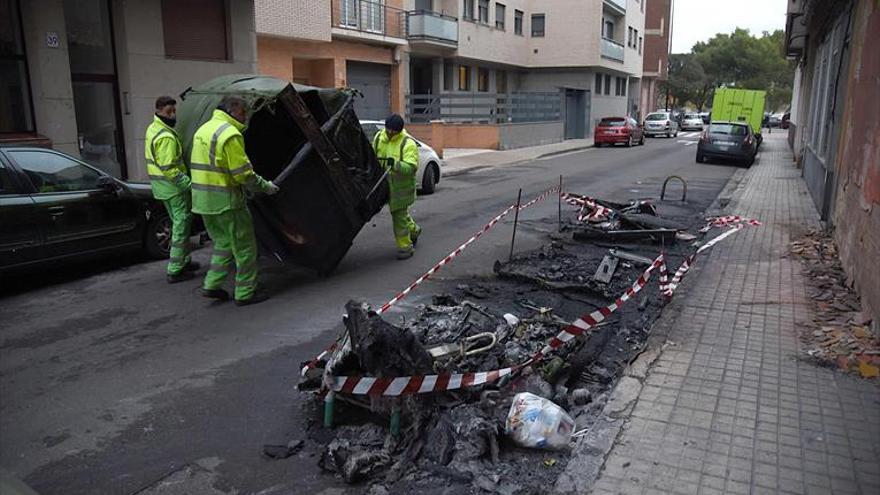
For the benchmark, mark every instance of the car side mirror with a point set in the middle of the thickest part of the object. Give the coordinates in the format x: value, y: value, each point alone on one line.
x: 108, y: 184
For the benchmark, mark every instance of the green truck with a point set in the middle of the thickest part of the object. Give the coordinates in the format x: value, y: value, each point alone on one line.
x: 740, y: 105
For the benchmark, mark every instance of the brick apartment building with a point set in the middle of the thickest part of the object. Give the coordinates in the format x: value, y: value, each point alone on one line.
x: 658, y: 38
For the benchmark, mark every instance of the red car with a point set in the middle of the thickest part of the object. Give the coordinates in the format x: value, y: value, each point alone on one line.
x: 613, y: 130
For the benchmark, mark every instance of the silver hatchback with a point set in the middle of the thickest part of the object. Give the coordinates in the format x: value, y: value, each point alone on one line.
x: 661, y: 124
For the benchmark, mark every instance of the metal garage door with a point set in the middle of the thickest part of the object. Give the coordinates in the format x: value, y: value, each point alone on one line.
x: 374, y: 81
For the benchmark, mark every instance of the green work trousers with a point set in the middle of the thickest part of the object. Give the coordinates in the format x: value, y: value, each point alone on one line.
x: 180, y: 212
x: 404, y: 228
x: 233, y: 234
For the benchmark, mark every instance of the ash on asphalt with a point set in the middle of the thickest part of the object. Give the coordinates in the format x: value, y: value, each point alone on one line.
x: 454, y: 442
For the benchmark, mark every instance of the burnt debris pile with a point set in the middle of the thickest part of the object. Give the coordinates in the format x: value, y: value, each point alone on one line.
x: 461, y: 439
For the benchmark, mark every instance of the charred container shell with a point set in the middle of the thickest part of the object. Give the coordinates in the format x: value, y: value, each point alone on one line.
x: 310, y: 143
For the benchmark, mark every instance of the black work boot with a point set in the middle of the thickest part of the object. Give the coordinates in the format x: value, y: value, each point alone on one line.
x: 405, y: 253
x: 217, y: 294
x: 179, y: 277
x: 415, y: 236
x: 257, y: 298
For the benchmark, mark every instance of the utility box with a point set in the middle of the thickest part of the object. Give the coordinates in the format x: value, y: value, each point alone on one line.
x: 739, y: 105
x: 309, y: 142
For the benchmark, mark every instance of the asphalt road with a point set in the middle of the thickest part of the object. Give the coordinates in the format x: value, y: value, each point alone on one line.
x: 112, y: 381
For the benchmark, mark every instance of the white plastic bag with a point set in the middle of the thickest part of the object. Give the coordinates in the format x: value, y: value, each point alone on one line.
x: 537, y: 422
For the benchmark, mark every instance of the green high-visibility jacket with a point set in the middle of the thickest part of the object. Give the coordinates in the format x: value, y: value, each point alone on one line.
x: 404, y: 152
x: 165, y: 166
x: 221, y: 171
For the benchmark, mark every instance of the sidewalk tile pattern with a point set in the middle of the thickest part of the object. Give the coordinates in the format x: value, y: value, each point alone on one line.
x: 731, y: 407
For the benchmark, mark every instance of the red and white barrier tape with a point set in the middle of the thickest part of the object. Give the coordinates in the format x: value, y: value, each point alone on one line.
x: 596, y: 213
x: 411, y: 385
x: 728, y: 220
x: 434, y: 269
x: 668, y: 287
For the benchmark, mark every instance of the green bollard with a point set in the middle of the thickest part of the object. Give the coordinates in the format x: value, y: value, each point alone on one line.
x: 328, y: 409
x: 395, y: 420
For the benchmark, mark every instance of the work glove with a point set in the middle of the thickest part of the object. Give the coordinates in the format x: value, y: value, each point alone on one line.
x: 389, y: 163
x: 272, y: 189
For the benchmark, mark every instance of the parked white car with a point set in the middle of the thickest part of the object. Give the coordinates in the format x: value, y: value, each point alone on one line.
x: 661, y: 124
x: 430, y: 163
x: 692, y: 122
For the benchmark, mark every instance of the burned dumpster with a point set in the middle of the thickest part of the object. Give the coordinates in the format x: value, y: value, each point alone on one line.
x: 310, y: 143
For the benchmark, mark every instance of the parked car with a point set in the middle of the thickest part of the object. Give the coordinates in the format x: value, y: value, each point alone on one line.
x: 691, y: 122
x: 54, y: 207
x: 728, y: 140
x: 614, y: 130
x: 430, y: 163
x: 774, y: 120
x: 660, y: 124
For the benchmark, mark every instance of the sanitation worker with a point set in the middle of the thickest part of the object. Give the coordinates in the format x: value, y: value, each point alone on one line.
x: 221, y: 172
x: 398, y: 153
x: 171, y: 185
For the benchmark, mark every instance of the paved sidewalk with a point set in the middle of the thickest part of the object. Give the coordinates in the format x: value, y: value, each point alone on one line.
x: 730, y: 406
x: 458, y: 165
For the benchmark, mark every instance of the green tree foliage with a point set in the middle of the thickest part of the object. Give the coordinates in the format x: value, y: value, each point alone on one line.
x: 736, y: 60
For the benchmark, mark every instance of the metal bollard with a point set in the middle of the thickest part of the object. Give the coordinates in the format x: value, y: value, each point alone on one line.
x: 683, y: 183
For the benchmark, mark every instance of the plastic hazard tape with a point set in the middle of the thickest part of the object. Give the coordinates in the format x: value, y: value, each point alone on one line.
x: 729, y: 220
x: 434, y: 269
x: 590, y: 209
x: 411, y: 385
x: 667, y: 287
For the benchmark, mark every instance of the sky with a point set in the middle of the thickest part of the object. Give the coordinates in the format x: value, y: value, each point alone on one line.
x: 699, y: 20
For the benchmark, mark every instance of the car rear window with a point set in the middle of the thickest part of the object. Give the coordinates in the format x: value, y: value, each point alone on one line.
x: 691, y: 116
x: 732, y: 129
x: 616, y: 122
x: 657, y: 116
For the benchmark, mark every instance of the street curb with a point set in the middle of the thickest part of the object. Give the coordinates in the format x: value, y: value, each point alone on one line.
x: 463, y: 171
x: 572, y: 150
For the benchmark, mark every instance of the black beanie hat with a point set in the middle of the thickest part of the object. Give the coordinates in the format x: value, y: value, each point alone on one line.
x: 394, y: 122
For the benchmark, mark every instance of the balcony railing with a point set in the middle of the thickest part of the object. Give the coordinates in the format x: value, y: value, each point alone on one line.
x: 493, y: 108
x: 369, y: 17
x: 431, y: 26
x: 612, y: 49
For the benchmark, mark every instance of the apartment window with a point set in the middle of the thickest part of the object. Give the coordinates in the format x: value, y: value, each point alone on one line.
x: 635, y: 37
x: 464, y: 78
x: 620, y: 86
x: 195, y: 29
x: 500, y: 15
x: 518, y: 22
x: 640, y: 44
x: 629, y: 36
x: 15, y: 104
x: 537, y: 25
x: 598, y: 83
x: 483, y: 11
x: 608, y: 31
x: 468, y: 10
x: 483, y: 80
x: 607, y: 84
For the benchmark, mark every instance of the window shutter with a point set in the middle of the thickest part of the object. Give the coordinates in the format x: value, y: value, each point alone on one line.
x: 195, y: 29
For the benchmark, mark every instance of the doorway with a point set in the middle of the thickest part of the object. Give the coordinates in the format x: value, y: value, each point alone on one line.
x: 95, y: 86
x: 575, y: 113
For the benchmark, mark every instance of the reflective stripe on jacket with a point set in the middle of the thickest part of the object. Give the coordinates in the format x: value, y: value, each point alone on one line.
x: 165, y: 166
x: 402, y: 177
x: 220, y: 168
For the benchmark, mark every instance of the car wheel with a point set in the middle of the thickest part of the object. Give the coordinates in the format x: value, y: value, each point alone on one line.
x: 157, y: 238
x: 629, y: 141
x: 429, y: 180
x: 597, y: 145
x: 700, y: 157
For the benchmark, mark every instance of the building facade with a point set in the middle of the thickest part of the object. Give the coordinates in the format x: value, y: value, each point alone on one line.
x: 337, y: 43
x: 835, y: 131
x: 658, y: 43
x: 82, y: 75
x: 589, y: 52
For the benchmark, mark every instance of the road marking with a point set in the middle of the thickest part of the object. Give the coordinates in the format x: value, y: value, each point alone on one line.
x: 687, y: 143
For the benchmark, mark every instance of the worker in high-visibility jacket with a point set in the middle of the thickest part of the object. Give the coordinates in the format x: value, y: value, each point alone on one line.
x: 171, y: 185
x: 221, y: 172
x: 399, y: 154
